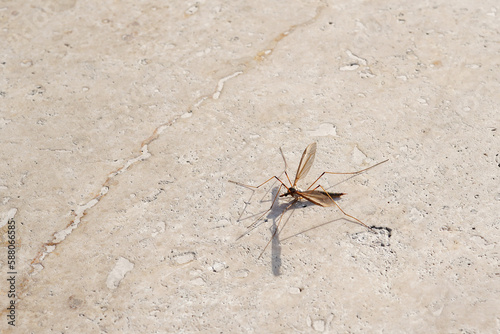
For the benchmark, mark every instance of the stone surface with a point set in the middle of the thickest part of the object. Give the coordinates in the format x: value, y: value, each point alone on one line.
x: 122, y: 122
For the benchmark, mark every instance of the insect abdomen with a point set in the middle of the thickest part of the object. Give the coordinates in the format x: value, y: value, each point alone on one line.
x: 333, y: 195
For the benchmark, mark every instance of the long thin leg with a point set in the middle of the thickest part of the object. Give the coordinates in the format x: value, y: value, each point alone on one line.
x: 357, y: 172
x: 277, y: 227
x: 260, y: 185
x: 255, y: 187
x: 252, y: 226
x: 348, y: 215
x: 284, y: 160
x: 286, y: 174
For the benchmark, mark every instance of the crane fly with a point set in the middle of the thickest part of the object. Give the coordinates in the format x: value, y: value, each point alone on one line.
x: 317, y: 195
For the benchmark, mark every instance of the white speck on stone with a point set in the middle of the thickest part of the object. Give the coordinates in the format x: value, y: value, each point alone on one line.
x: 122, y: 267
x: 184, y: 258
x: 415, y: 215
x: 351, y: 67
x: 198, y: 281
x: 218, y: 266
x: 324, y: 129
x: 422, y: 101
x: 357, y: 156
x: 351, y: 55
x: 319, y: 325
x: 9, y: 215
x: 160, y: 228
x: 366, y: 74
x: 242, y: 273
x: 191, y: 10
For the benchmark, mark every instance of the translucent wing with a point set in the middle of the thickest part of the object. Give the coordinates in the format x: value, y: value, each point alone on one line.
x: 320, y: 197
x: 305, y: 162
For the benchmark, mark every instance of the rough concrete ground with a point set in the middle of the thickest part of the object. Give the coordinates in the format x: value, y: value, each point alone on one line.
x: 122, y: 122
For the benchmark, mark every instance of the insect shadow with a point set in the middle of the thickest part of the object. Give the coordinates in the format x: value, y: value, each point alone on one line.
x: 320, y: 197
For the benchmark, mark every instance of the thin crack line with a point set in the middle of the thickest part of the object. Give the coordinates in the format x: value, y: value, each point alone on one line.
x: 60, y: 236
x: 81, y: 211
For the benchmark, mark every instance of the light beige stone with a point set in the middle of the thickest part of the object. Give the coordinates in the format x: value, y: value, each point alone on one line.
x: 122, y: 122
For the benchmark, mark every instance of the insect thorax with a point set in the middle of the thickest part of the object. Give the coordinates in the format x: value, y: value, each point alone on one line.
x: 292, y: 191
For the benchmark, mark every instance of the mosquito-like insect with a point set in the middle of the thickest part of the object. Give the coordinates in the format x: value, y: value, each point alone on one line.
x: 315, y: 196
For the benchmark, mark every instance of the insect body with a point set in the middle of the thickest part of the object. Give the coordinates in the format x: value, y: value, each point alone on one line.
x: 318, y: 195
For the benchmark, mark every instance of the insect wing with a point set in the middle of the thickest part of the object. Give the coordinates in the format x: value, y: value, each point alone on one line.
x: 317, y: 197
x: 305, y: 162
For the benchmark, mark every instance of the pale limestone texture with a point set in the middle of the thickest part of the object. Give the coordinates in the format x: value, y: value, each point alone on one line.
x: 122, y: 122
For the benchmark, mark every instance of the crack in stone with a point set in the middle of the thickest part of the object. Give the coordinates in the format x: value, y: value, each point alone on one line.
x: 261, y: 55
x: 60, y: 236
x: 81, y: 211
